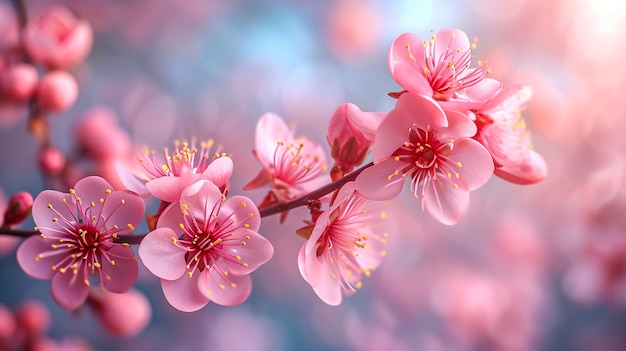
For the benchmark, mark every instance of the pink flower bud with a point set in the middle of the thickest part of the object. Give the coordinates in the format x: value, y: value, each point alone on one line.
x: 18, y: 209
x: 9, y: 29
x: 350, y: 135
x: 58, y: 91
x: 8, y: 327
x: 57, y: 38
x: 51, y: 161
x: 33, y: 317
x: 18, y: 81
x: 99, y: 136
x: 122, y: 315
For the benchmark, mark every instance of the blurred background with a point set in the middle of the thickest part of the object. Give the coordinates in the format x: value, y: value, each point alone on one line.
x: 540, y: 267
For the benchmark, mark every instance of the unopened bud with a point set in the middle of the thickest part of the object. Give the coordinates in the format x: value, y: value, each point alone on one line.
x: 350, y: 135
x: 51, y: 161
x: 18, y: 209
x: 57, y: 91
x: 122, y: 315
x: 33, y: 317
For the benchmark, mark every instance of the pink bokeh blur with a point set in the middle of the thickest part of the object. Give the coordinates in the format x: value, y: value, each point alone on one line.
x: 534, y: 267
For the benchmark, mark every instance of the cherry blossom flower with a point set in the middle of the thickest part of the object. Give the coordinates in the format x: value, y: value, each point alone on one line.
x: 440, y: 68
x: 350, y: 135
x: 78, y: 240
x: 345, y: 243
x: 57, y: 38
x: 166, y: 178
x: 204, y: 248
x: 502, y: 130
x: 435, y: 149
x: 290, y: 165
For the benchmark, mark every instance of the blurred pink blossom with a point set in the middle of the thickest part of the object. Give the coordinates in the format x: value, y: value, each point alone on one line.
x: 99, y: 136
x: 57, y: 38
x: 122, y: 315
x: 18, y: 82
x: 57, y: 91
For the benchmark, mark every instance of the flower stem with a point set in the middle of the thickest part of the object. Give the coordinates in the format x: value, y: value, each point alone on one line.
x: 20, y: 233
x: 314, y: 195
x: 20, y: 10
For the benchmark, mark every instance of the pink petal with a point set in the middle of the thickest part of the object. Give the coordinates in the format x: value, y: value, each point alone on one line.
x: 203, y: 199
x: 406, y: 65
x: 508, y: 99
x: 459, y: 125
x: 159, y: 254
x: 365, y: 122
x: 411, y: 110
x: 219, y: 171
x: 131, y: 181
x: 318, y: 230
x: 374, y: 182
x: 302, y: 261
x: 225, y: 290
x: 373, y: 254
x: 344, y: 193
x: 476, y: 163
x: 484, y: 90
x: 119, y: 277
x: 43, y: 215
x: 28, y: 251
x: 169, y: 188
x: 533, y: 170
x: 241, y: 211
x: 69, y: 290
x: 184, y: 293
x: 451, y: 40
x: 91, y: 189
x: 171, y: 218
x: 447, y: 205
x: 256, y: 251
x: 270, y: 129
x: 123, y: 208
x: 326, y: 286
x: 310, y: 271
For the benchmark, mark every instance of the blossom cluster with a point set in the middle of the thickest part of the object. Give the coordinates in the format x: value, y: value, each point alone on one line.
x: 452, y: 127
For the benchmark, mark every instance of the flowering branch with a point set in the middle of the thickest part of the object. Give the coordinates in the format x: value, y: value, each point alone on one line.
x: 314, y: 195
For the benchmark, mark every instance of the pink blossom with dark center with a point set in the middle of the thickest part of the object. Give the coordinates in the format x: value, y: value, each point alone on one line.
x: 78, y: 240
x: 418, y: 140
x: 346, y: 242
x: 204, y: 248
x: 441, y: 68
